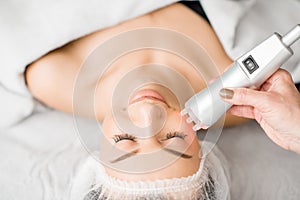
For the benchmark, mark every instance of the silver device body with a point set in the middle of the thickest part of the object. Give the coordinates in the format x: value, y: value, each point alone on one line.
x: 250, y: 70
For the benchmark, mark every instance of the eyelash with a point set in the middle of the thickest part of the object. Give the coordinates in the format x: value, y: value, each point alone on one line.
x: 170, y: 135
x: 118, y: 138
x: 175, y: 134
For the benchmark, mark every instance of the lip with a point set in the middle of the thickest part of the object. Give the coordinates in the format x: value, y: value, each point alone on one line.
x: 146, y: 94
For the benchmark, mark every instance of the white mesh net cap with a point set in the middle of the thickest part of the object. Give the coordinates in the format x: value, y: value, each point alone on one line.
x: 208, y: 183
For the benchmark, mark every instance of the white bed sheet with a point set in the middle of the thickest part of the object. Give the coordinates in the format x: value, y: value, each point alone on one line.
x: 41, y: 155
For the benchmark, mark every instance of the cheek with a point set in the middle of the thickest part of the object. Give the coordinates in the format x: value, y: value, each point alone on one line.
x: 191, y: 135
x: 109, y: 128
x: 106, y: 124
x: 177, y: 122
x: 187, y: 127
x: 103, y: 96
x: 194, y: 146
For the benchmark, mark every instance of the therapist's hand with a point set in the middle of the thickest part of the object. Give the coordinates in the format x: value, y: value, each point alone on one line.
x: 275, y: 106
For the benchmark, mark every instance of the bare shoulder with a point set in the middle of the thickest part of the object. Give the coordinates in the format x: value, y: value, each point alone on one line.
x: 49, y: 78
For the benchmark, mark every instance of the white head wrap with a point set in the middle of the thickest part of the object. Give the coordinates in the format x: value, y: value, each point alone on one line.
x: 208, y: 183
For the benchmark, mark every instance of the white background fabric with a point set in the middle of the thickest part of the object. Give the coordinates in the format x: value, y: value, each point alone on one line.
x: 41, y: 154
x: 242, y: 24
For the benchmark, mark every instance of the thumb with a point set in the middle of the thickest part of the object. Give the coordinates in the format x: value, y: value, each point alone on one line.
x: 244, y: 96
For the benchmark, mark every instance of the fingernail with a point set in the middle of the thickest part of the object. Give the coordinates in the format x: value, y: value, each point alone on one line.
x: 226, y: 93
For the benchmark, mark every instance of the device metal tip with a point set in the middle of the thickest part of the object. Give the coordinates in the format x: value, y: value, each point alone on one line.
x: 196, y: 127
x: 292, y: 36
x: 189, y: 120
x: 183, y: 112
x: 200, y: 126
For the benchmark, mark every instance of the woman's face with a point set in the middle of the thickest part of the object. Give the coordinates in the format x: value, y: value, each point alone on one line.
x: 175, y: 138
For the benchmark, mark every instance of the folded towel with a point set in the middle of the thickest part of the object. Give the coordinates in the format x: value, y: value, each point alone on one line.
x: 30, y: 29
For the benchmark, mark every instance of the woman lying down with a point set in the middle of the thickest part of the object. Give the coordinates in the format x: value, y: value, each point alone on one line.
x: 152, y: 152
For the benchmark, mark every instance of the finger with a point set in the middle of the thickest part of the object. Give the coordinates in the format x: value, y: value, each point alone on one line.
x: 280, y: 82
x: 280, y: 75
x: 266, y: 86
x: 245, y: 96
x: 242, y: 111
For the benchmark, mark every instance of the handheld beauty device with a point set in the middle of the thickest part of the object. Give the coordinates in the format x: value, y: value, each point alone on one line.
x: 250, y: 70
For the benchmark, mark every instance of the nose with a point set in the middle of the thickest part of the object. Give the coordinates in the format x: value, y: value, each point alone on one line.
x: 141, y: 114
x: 147, y: 115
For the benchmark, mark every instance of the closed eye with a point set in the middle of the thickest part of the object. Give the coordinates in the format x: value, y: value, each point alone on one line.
x: 170, y: 135
x: 118, y: 138
x: 175, y: 134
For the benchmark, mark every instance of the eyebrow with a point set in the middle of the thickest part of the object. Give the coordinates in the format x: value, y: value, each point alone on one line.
x: 134, y: 152
x: 124, y: 156
x: 178, y: 153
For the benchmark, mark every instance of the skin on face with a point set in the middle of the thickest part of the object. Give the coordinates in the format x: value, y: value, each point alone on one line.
x: 139, y: 115
x: 51, y: 80
x: 176, y: 138
x: 125, y: 64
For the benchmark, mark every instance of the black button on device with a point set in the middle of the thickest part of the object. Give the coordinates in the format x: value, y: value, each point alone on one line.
x: 250, y: 64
